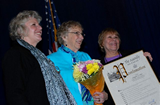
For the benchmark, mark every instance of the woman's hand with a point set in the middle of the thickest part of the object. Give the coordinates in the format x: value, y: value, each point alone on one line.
x: 147, y: 54
x: 99, y: 98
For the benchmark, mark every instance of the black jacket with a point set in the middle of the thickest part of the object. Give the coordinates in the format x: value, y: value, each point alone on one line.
x: 23, y: 79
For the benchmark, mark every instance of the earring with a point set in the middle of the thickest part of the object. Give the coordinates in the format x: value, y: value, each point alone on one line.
x: 66, y: 44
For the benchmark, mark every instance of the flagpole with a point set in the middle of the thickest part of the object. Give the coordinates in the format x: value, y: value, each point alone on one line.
x: 54, y: 26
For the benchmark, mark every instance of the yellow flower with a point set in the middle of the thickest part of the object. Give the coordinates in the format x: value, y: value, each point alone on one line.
x: 89, y: 66
x: 80, y: 69
x: 77, y: 75
x: 90, y: 71
x: 96, y: 67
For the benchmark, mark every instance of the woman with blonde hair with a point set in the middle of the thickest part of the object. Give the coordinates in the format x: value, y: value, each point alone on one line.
x: 109, y: 42
x: 29, y: 77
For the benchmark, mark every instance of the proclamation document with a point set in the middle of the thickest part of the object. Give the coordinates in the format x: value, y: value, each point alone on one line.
x: 131, y: 81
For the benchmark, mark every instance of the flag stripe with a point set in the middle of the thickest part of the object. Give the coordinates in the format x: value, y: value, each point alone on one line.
x: 52, y: 24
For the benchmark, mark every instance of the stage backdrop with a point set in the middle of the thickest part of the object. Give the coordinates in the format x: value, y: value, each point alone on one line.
x: 137, y: 21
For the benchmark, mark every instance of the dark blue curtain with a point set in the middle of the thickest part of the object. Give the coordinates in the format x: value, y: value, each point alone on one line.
x: 137, y: 21
x: 144, y: 19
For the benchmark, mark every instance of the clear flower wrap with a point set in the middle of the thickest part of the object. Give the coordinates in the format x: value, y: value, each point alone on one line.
x: 89, y: 74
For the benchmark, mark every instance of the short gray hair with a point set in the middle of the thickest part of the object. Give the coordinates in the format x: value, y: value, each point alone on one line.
x: 64, y: 28
x: 17, y: 24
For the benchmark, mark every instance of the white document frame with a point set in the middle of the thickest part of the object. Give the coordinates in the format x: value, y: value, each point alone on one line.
x: 131, y: 81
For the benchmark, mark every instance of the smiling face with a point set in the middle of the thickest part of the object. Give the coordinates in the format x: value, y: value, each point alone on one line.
x: 73, y: 39
x: 32, y: 32
x: 111, y: 42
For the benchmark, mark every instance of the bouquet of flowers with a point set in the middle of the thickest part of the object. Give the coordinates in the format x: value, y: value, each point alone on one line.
x: 89, y: 74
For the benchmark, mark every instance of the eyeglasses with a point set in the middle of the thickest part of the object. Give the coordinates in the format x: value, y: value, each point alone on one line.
x: 78, y: 33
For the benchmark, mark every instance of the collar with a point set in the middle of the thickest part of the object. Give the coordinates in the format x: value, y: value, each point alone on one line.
x: 73, y: 54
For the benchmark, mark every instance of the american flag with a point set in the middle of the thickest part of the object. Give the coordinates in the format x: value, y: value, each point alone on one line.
x: 52, y: 24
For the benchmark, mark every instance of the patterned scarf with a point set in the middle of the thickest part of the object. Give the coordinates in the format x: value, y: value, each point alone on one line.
x: 86, y: 96
x: 57, y: 91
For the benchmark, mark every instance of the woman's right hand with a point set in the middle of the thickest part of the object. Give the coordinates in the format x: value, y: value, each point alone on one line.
x: 100, y: 97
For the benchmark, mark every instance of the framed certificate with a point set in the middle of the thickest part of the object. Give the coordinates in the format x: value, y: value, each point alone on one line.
x: 131, y: 81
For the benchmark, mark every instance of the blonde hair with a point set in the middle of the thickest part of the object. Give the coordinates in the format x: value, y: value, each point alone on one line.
x: 17, y: 24
x: 104, y: 33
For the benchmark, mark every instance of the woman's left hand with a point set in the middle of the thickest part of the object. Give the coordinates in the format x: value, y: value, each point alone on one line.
x: 100, y: 97
x: 147, y: 54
